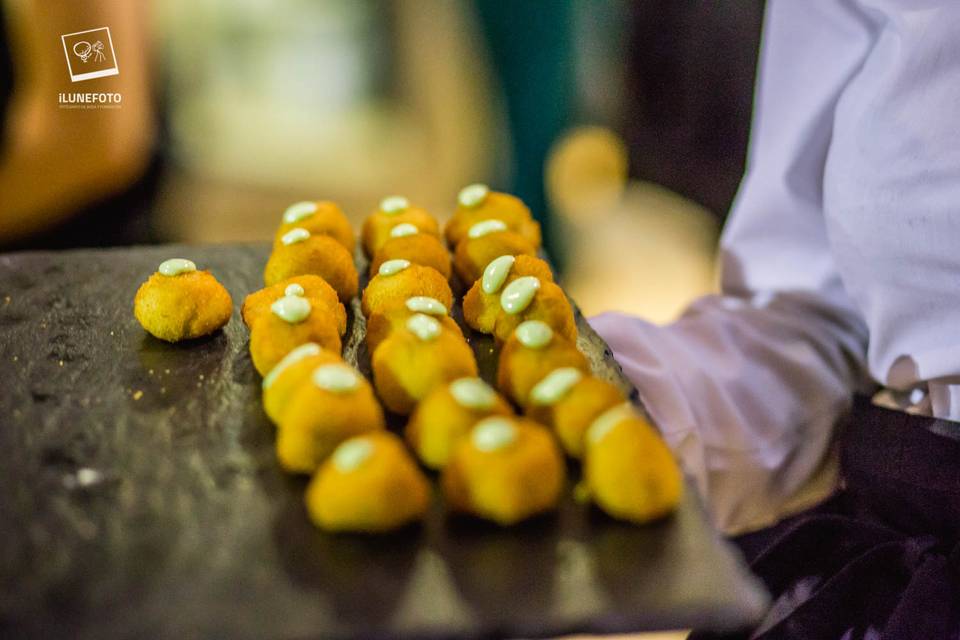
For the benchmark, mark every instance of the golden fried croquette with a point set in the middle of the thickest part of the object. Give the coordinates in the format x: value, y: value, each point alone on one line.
x: 476, y: 251
x: 320, y: 218
x: 506, y: 470
x: 398, y: 280
x: 393, y: 211
x: 281, y: 382
x: 314, y: 288
x: 369, y: 485
x: 476, y: 203
x: 529, y: 298
x: 300, y: 253
x: 382, y: 324
x: 568, y: 401
x: 334, y: 404
x: 419, y: 248
x: 292, y: 321
x: 533, y: 351
x: 415, y: 359
x: 628, y: 470
x: 447, y: 414
x: 481, y: 304
x: 180, y: 303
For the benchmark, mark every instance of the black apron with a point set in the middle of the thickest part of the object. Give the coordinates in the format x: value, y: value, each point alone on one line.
x: 880, y: 558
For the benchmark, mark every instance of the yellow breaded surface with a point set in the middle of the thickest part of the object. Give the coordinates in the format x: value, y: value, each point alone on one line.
x: 572, y: 415
x: 271, y: 337
x: 315, y: 289
x: 520, y: 368
x: 439, y: 422
x: 317, y: 420
x: 182, y: 307
x: 508, y: 485
x: 381, y: 325
x: 385, y: 292
x: 386, y: 491
x: 420, y: 248
x: 496, y: 206
x: 328, y: 220
x: 550, y: 305
x: 377, y: 226
x: 276, y: 397
x: 318, y: 255
x: 406, y: 368
x: 480, y: 309
x: 631, y: 474
x: 472, y: 255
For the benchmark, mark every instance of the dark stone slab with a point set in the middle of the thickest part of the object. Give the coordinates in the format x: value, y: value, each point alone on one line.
x: 139, y: 497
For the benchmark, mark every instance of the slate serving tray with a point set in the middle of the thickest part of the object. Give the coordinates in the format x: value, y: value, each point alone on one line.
x: 139, y: 497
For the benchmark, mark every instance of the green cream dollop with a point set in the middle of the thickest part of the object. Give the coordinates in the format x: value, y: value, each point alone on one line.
x: 607, y: 420
x: 351, y: 455
x: 493, y: 434
x: 176, y: 266
x: 393, y: 205
x: 292, y: 309
x: 473, y: 393
x: 306, y: 350
x: 555, y: 386
x: 294, y: 290
x: 534, y: 334
x: 423, y: 326
x: 473, y: 195
x: 403, y: 230
x: 518, y: 295
x: 336, y: 378
x: 294, y: 236
x: 298, y: 211
x: 393, y: 267
x: 496, y: 273
x: 427, y: 305
x: 487, y: 226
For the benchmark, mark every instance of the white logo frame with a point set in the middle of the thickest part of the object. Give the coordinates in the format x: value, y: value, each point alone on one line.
x: 90, y: 75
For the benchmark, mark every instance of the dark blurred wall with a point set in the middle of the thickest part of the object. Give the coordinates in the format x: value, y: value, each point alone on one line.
x: 689, y: 93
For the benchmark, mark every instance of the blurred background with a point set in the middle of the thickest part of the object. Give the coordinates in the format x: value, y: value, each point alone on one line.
x: 622, y: 124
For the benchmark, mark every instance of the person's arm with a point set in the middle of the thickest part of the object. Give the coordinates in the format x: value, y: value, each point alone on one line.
x: 55, y: 161
x: 747, y: 387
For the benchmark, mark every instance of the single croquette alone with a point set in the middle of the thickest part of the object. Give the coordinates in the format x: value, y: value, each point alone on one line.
x: 318, y: 255
x: 386, y: 290
x: 492, y: 206
x: 315, y: 289
x: 378, y: 225
x: 446, y: 416
x: 321, y: 218
x: 418, y: 248
x: 334, y: 404
x: 187, y: 305
x: 370, y: 484
x: 506, y: 470
x: 481, y: 308
x: 472, y: 255
x: 411, y: 362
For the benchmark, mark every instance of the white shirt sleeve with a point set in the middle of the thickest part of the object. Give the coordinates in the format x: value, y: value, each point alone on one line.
x: 747, y: 387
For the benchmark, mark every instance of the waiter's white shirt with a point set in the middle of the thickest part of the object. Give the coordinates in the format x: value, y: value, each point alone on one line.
x: 840, y: 260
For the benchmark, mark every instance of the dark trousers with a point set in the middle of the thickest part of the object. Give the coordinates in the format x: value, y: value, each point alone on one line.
x: 880, y: 559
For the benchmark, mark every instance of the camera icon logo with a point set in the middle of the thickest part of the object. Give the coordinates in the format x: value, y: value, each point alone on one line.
x: 90, y: 54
